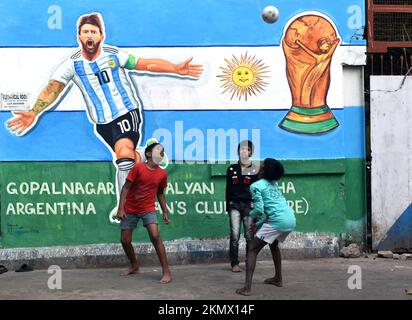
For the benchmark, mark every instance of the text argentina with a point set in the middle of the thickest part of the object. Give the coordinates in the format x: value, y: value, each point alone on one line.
x: 51, y: 208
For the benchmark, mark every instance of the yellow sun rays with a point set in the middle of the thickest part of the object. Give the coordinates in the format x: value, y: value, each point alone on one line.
x: 243, y: 77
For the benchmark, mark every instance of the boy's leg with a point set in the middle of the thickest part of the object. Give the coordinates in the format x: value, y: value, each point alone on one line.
x: 247, y: 221
x: 277, y: 261
x: 154, y: 235
x: 255, y: 247
x: 234, y: 220
x: 126, y: 240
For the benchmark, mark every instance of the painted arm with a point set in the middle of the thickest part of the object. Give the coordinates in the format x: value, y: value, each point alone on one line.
x: 162, y: 202
x: 121, y: 214
x: 307, y: 50
x: 335, y: 44
x: 23, y: 121
x: 163, y: 66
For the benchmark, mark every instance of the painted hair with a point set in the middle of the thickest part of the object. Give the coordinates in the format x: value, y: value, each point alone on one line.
x: 94, y: 19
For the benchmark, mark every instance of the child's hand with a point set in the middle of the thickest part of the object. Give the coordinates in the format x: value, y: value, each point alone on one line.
x: 253, y: 228
x: 166, y: 217
x: 121, y: 215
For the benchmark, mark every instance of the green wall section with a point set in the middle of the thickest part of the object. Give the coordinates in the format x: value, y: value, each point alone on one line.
x: 68, y: 203
x: 355, y: 189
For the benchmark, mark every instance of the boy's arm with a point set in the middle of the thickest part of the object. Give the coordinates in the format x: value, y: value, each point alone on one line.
x: 228, y: 188
x: 162, y: 202
x: 258, y: 205
x: 125, y: 190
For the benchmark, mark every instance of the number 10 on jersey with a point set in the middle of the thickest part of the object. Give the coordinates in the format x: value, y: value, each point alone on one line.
x: 103, y: 77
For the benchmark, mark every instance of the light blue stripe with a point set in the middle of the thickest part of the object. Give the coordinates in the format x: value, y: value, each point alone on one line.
x: 170, y: 22
x: 106, y: 90
x: 71, y: 141
x: 116, y: 77
x: 71, y: 136
x: 355, y: 120
x: 79, y: 68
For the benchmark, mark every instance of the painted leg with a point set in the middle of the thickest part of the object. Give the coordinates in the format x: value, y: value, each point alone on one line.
x: 126, y: 158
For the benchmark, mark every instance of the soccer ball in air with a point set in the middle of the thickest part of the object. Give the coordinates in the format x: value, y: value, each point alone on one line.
x: 270, y: 14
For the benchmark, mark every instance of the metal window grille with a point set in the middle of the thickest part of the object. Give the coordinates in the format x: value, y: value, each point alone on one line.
x: 389, y: 25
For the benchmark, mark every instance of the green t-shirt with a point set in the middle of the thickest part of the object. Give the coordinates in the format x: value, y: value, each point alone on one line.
x: 269, y: 201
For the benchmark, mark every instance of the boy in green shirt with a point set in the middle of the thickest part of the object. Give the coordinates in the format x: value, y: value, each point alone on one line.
x: 276, y: 222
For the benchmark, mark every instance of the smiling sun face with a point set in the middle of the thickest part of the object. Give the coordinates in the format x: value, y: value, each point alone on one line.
x: 243, y: 77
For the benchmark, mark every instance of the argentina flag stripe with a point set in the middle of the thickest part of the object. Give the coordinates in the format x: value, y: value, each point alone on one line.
x: 106, y: 90
x: 116, y: 77
x: 79, y: 68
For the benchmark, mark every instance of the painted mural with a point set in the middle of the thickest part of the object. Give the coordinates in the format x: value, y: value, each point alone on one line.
x: 190, y: 80
x: 244, y: 76
x: 309, y: 44
x: 98, y: 70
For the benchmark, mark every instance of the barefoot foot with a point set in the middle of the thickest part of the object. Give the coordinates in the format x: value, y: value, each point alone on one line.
x: 129, y: 271
x: 244, y: 292
x: 236, y: 269
x: 167, y: 278
x: 274, y: 281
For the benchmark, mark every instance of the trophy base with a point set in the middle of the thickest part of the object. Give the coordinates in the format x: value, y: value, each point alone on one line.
x: 309, y: 120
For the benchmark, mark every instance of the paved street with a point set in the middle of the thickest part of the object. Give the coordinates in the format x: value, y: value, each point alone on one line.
x: 303, y: 279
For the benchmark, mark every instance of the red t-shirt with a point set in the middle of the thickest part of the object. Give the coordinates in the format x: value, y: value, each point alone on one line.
x: 145, y: 184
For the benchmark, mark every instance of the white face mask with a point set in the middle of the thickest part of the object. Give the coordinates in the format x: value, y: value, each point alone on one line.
x: 244, y: 155
x: 156, y: 154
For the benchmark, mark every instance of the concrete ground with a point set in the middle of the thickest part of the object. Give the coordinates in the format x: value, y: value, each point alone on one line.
x: 303, y: 279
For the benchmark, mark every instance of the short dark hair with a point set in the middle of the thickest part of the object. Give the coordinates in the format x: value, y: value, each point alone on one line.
x: 272, y: 169
x: 150, y: 148
x: 245, y: 143
x: 93, y: 19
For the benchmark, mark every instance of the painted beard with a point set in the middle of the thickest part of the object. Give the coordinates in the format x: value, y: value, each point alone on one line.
x: 90, y: 47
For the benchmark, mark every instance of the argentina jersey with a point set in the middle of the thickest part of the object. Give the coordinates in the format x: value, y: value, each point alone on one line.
x: 103, y: 82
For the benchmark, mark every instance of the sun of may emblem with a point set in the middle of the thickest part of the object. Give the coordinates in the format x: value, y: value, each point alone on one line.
x: 243, y: 77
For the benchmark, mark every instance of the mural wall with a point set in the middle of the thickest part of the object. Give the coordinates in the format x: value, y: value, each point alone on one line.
x: 281, y: 85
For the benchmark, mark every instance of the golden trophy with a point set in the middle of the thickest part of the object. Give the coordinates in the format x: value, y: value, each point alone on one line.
x: 308, y: 45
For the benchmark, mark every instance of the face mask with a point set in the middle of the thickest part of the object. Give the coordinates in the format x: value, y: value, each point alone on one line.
x: 156, y: 154
x: 244, y: 155
x: 244, y: 158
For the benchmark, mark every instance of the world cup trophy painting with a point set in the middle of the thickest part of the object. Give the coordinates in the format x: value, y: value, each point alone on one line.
x: 308, y: 44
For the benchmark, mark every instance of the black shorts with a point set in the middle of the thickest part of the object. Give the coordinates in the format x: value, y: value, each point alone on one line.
x: 126, y: 126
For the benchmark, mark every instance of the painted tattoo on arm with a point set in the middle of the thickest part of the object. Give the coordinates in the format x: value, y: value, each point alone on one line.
x: 48, y: 95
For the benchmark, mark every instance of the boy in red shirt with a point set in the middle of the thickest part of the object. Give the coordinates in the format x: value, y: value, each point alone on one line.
x: 137, y: 202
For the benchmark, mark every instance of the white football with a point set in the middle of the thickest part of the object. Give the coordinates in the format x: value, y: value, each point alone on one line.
x: 270, y: 14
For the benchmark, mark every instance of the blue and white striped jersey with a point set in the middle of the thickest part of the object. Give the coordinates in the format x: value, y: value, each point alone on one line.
x: 103, y: 82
